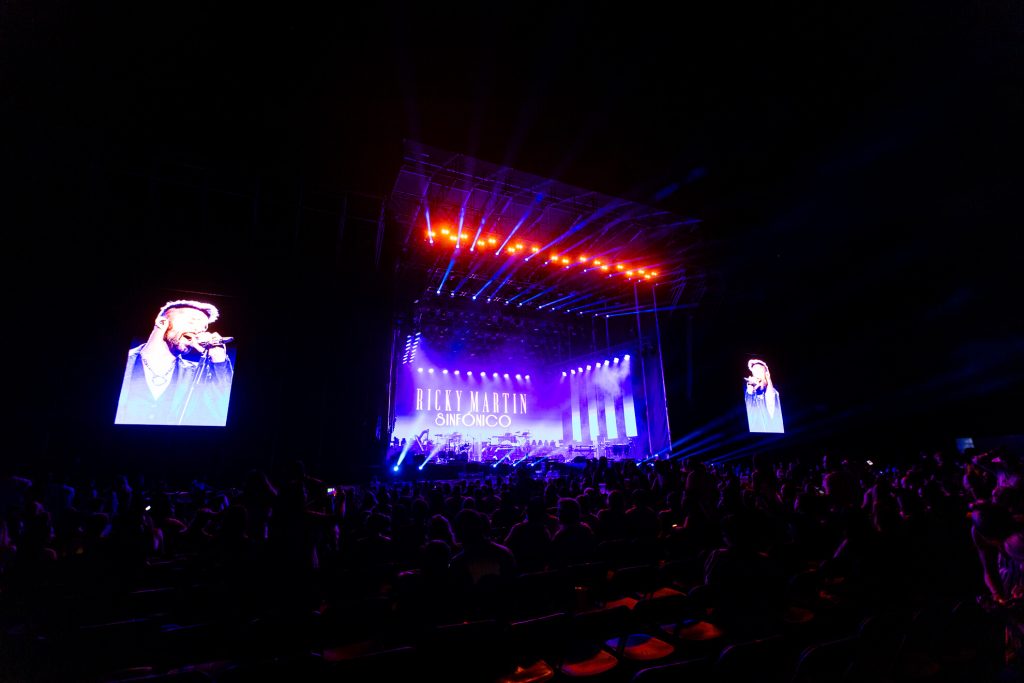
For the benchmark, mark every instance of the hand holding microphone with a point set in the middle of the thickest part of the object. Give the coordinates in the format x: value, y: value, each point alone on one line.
x: 213, y: 343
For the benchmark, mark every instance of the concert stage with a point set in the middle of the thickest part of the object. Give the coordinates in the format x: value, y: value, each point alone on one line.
x: 528, y: 324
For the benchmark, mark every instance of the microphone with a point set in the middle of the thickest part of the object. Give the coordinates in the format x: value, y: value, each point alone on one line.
x: 209, y: 344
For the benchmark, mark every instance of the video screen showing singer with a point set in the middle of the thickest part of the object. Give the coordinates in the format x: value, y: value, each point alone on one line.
x: 764, y: 408
x: 182, y: 374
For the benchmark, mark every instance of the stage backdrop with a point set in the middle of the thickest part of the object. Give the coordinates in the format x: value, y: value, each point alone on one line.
x: 451, y: 403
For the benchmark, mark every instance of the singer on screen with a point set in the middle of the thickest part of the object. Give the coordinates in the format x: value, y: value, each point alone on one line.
x: 764, y: 409
x: 182, y: 374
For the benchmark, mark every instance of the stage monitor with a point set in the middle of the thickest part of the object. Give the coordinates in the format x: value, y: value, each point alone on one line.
x: 179, y: 367
x: 761, y: 396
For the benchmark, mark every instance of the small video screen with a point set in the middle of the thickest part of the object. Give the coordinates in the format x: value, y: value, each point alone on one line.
x: 761, y: 396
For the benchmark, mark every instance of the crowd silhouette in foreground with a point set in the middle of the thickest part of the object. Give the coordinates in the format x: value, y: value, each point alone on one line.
x: 766, y: 569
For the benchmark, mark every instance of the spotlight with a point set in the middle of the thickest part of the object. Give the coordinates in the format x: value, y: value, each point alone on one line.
x: 506, y: 375
x: 470, y: 373
x: 457, y: 372
x: 444, y: 372
x: 572, y: 371
x: 518, y: 376
x: 605, y: 362
x: 564, y: 373
x: 431, y: 371
x: 527, y: 377
x: 616, y: 360
x: 588, y: 367
x: 626, y: 357
x: 419, y: 370
x: 580, y: 369
x: 494, y: 375
x: 395, y: 468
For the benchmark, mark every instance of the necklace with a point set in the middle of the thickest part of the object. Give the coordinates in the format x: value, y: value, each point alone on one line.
x: 159, y: 378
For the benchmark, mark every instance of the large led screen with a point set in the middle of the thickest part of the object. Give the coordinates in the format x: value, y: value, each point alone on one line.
x: 451, y: 404
x: 180, y: 371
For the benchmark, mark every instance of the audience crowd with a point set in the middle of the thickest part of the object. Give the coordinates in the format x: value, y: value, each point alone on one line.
x: 897, y: 572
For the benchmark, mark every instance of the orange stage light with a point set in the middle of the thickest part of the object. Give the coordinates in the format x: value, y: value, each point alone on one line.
x: 535, y: 250
x: 604, y: 268
x: 565, y: 260
x: 445, y: 231
x: 619, y: 267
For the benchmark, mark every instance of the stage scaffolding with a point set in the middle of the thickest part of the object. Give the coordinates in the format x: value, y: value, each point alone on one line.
x: 508, y: 224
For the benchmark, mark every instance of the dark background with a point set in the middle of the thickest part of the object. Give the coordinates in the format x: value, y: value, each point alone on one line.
x: 857, y: 169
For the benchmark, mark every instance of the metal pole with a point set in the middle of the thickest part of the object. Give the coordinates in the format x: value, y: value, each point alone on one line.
x: 661, y: 361
x: 643, y: 373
